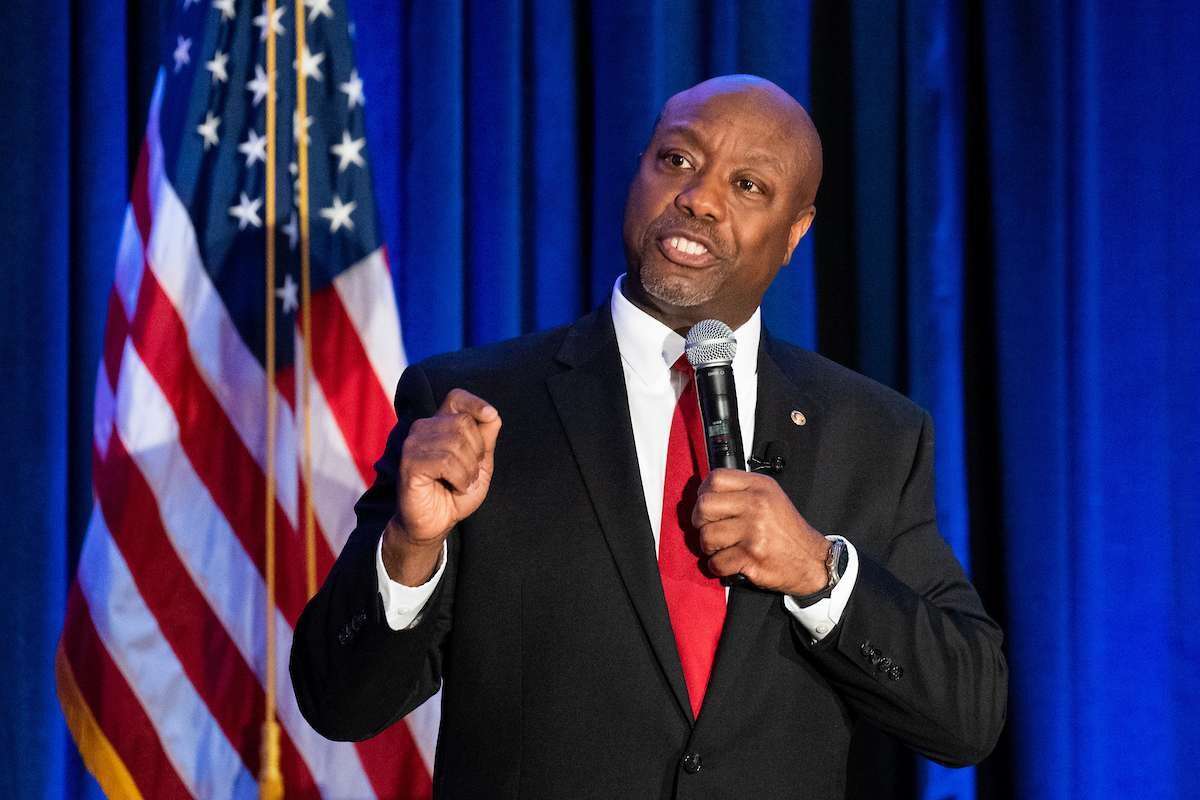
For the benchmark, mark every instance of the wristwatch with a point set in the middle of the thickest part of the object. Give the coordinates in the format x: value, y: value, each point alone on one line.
x: 835, y: 562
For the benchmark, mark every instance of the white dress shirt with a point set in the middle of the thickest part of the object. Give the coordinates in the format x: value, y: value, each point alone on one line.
x: 648, y: 350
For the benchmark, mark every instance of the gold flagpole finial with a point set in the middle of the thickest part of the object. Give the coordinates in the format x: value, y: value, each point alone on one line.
x: 270, y: 780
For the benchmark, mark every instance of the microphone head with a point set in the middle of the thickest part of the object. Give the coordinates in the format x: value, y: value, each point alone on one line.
x: 710, y: 342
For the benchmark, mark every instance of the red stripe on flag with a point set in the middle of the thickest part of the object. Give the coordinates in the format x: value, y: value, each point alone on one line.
x: 115, y: 332
x: 115, y: 707
x: 213, y: 447
x: 139, y: 195
x: 394, y: 765
x: 359, y: 405
x: 210, y: 659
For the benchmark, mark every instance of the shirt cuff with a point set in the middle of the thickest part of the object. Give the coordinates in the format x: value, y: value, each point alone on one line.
x: 402, y: 605
x: 823, y: 616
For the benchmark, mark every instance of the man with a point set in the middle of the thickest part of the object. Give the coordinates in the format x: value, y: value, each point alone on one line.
x: 537, y: 543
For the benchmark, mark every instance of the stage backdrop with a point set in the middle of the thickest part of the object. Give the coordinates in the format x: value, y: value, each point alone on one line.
x: 1007, y: 232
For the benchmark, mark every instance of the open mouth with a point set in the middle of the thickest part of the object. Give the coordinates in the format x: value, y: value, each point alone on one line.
x: 685, y: 251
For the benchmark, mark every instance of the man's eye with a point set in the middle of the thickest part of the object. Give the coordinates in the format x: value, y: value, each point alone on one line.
x: 677, y: 160
x: 749, y: 186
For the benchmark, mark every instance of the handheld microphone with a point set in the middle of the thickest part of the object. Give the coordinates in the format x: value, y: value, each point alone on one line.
x: 710, y: 350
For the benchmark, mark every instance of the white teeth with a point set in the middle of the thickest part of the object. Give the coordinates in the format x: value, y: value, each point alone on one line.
x: 687, y: 246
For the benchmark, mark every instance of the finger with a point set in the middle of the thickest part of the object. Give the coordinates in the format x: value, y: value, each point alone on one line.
x: 424, y: 463
x: 490, y: 431
x: 461, y: 429
x: 465, y: 442
x: 460, y: 401
x: 716, y: 536
x: 484, y: 414
x: 729, y: 561
x: 724, y: 479
x: 712, y: 506
x: 456, y: 473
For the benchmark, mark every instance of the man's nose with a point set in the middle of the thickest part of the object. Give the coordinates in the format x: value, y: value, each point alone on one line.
x: 700, y: 198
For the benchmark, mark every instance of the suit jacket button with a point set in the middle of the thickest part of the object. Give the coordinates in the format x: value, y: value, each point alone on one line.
x: 691, y: 763
x: 866, y: 649
x: 883, y: 665
x: 896, y: 672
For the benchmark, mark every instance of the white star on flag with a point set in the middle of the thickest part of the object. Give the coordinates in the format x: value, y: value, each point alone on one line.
x: 208, y: 130
x: 260, y: 85
x: 292, y: 230
x: 338, y: 214
x: 226, y: 8
x: 288, y: 294
x: 246, y: 212
x: 217, y: 66
x: 354, y: 90
x: 320, y: 8
x: 309, y: 64
x: 275, y: 22
x: 183, y: 52
x: 254, y: 148
x: 349, y: 151
x: 300, y: 131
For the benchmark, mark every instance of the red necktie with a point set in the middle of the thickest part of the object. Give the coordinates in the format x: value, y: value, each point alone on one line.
x: 695, y: 599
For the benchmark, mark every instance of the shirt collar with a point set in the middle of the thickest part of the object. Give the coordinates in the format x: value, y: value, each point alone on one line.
x: 650, y: 348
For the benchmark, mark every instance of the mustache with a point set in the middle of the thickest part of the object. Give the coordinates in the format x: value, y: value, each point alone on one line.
x: 679, y: 223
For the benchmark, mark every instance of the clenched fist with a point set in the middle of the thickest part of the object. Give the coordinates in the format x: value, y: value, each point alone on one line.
x: 749, y: 526
x: 445, y: 471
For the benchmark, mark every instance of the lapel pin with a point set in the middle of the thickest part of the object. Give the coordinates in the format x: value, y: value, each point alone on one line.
x: 798, y: 417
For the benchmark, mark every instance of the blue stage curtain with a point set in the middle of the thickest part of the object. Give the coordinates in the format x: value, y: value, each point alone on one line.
x: 1093, y: 118
x: 73, y: 90
x: 1007, y: 232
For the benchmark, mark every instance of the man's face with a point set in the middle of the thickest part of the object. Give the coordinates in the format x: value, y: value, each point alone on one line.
x: 713, y: 212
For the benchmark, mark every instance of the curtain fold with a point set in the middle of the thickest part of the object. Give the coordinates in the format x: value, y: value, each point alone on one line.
x: 1094, y: 118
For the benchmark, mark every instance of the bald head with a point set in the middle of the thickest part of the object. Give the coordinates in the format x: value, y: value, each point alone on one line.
x: 723, y: 194
x: 759, y: 96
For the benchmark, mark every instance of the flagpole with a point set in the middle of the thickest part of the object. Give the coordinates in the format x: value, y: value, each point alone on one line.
x: 270, y: 780
x: 310, y: 532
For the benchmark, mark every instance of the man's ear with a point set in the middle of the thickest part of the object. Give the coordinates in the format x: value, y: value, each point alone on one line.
x: 800, y: 227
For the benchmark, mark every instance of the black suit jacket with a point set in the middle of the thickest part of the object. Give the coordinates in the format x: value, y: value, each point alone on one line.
x: 549, y: 629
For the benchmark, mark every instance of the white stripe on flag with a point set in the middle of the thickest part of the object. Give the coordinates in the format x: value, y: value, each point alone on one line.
x: 366, y: 293
x: 127, y: 280
x: 194, y: 742
x: 219, y: 565
x: 102, y: 412
x: 423, y: 723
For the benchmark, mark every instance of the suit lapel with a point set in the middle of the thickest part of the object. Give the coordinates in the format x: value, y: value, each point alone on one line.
x: 592, y: 404
x: 778, y: 397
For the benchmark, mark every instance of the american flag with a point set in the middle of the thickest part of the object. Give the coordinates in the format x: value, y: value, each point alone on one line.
x: 163, y: 663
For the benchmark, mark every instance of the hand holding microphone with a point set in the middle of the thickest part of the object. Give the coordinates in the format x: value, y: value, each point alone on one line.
x: 748, y: 525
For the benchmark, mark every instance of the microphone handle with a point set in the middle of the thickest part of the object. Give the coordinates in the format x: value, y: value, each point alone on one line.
x: 718, y: 411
